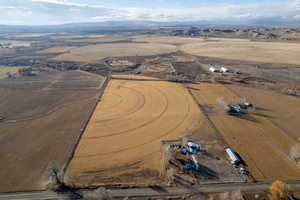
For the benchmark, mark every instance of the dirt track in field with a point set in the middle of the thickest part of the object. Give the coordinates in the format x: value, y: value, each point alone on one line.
x: 123, y: 138
x: 263, y: 146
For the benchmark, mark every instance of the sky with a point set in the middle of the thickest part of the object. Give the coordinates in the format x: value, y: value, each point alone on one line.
x: 230, y: 12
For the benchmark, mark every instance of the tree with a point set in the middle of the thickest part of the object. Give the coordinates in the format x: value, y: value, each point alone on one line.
x: 281, y: 191
x: 295, y: 152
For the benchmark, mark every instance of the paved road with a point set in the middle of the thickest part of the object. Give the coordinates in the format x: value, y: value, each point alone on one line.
x: 147, y: 192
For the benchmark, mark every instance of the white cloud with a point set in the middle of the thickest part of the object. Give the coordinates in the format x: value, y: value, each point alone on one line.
x: 67, y: 3
x: 67, y: 11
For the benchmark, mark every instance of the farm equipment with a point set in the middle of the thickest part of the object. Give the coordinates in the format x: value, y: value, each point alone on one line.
x: 234, y: 110
x: 246, y: 105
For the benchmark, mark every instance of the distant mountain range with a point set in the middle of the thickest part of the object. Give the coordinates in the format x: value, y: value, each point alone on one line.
x: 124, y: 26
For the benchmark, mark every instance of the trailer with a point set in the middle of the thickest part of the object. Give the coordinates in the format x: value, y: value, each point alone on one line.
x: 235, y: 160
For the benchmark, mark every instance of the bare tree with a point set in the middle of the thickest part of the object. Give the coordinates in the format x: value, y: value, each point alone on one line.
x: 281, y: 191
x: 295, y: 152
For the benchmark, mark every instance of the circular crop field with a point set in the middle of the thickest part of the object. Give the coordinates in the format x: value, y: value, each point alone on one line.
x: 123, y: 137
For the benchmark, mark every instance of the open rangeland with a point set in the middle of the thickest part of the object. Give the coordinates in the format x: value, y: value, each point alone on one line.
x: 42, y: 118
x: 4, y: 51
x: 283, y: 110
x: 5, y: 70
x: 70, y: 36
x: 122, y: 142
x: 104, y: 39
x: 15, y: 43
x: 167, y: 39
x: 92, y: 53
x: 56, y: 50
x: 262, y: 145
x: 246, y: 50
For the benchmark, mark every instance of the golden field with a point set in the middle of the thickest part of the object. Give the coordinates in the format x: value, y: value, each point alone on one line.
x: 93, y: 53
x: 246, y: 50
x: 262, y: 145
x: 4, y: 70
x: 282, y: 110
x: 122, y: 141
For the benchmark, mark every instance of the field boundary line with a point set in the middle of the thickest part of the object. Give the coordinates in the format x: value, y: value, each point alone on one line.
x: 73, y: 150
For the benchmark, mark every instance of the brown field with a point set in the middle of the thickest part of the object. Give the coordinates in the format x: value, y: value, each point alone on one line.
x: 99, y: 39
x: 241, y: 49
x: 4, y: 70
x: 121, y: 63
x: 57, y: 37
x: 4, y: 51
x: 282, y: 110
x: 31, y: 35
x: 263, y: 146
x: 156, y: 65
x: 93, y: 53
x: 167, y: 40
x: 123, y: 138
x: 40, y: 132
x: 56, y: 50
x: 14, y: 43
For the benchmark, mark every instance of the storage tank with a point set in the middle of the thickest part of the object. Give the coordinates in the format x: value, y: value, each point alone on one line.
x: 224, y: 69
x: 212, y: 69
x: 233, y: 157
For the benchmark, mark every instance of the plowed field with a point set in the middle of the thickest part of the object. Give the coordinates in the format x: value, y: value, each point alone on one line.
x: 123, y: 138
x: 262, y: 145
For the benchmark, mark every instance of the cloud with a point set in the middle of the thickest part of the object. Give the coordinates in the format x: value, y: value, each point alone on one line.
x: 37, y: 12
x: 66, y: 3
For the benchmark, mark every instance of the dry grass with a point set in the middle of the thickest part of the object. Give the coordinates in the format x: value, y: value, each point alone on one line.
x: 167, y: 40
x: 283, y: 110
x: 93, y: 53
x: 241, y: 49
x: 31, y: 35
x: 99, y: 39
x: 57, y: 37
x: 121, y: 63
x: 5, y: 70
x: 14, y: 43
x: 263, y: 145
x: 4, y: 51
x: 123, y: 138
x: 56, y: 50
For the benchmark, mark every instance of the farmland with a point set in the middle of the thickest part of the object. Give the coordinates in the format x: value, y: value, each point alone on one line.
x: 122, y: 141
x: 5, y: 70
x: 117, y: 129
x: 39, y: 132
x: 277, y: 107
x: 93, y: 53
x: 243, y: 49
x: 261, y: 144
